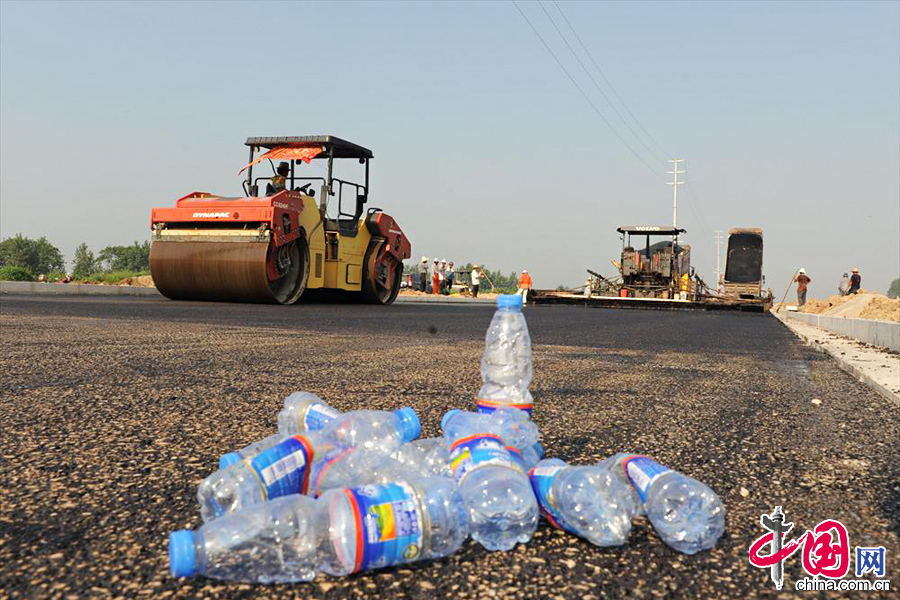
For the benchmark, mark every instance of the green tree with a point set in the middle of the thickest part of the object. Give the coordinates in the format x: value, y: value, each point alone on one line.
x: 135, y: 257
x: 84, y: 263
x: 894, y: 290
x: 39, y: 256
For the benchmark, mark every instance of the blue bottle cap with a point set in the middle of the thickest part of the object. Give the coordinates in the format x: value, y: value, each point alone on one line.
x: 410, y: 426
x: 229, y: 459
x: 182, y: 562
x: 513, y: 301
x: 447, y: 416
x: 539, y: 449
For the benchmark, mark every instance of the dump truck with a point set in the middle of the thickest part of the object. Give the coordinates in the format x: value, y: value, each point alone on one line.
x: 743, y: 264
x: 273, y: 247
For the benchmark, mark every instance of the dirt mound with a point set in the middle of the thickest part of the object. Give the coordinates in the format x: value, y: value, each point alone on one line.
x: 139, y: 281
x: 856, y: 306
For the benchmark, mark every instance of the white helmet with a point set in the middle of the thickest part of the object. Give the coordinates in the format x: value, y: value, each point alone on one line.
x: 802, y: 271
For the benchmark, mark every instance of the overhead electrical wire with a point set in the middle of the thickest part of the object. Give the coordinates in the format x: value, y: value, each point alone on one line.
x: 603, y: 75
x: 597, y: 85
x: 582, y: 92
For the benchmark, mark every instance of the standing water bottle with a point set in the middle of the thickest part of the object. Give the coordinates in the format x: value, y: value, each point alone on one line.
x: 497, y: 494
x: 286, y: 468
x: 686, y: 514
x: 302, y: 412
x: 274, y: 542
x: 506, y: 369
x: 587, y: 501
x: 379, y: 525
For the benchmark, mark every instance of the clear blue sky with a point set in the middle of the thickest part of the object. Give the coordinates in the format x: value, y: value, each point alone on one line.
x: 788, y: 115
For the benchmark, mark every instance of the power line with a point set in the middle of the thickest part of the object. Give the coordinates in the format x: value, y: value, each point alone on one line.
x: 586, y: 97
x: 597, y: 85
x: 613, y: 89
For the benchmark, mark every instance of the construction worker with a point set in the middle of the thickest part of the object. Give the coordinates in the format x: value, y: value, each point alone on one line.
x: 588, y: 285
x: 855, y: 281
x: 524, y: 286
x: 435, y: 278
x: 451, y: 275
x: 279, y: 181
x: 443, y: 275
x: 476, y: 280
x: 423, y: 274
x: 803, y: 282
x: 844, y: 285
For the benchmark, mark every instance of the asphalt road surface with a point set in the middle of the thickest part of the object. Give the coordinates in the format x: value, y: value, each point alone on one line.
x: 113, y: 409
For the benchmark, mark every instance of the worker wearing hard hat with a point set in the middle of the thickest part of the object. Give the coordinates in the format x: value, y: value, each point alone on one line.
x: 279, y: 181
x: 435, y: 278
x: 423, y: 274
x: 451, y: 275
x: 443, y: 275
x: 475, y: 277
x: 524, y: 286
x: 855, y: 281
x: 803, y: 281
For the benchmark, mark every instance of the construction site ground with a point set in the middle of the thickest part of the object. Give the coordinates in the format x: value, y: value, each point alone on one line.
x: 114, y: 408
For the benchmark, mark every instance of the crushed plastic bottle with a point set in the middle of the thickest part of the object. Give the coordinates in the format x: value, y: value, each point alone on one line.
x: 287, y: 467
x: 302, y: 412
x: 519, y: 433
x: 587, y: 501
x: 273, y: 542
x: 495, y: 489
x: 506, y: 364
x: 615, y: 464
x: 379, y: 525
x: 686, y: 514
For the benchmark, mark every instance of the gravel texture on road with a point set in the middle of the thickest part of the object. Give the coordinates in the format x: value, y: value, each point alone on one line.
x: 113, y: 410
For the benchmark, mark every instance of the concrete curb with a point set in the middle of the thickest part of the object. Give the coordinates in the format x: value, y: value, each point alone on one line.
x: 438, y: 299
x: 869, y: 331
x: 842, y: 362
x: 74, y: 289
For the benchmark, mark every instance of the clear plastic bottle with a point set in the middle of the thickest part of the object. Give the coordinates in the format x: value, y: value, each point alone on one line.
x: 519, y: 433
x: 615, y: 464
x: 493, y: 484
x: 302, y: 412
x: 686, y: 514
x: 288, y: 467
x: 379, y: 525
x: 587, y: 501
x: 273, y: 542
x: 506, y: 367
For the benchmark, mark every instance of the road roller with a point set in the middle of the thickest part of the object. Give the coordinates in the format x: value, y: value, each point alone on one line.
x: 273, y: 247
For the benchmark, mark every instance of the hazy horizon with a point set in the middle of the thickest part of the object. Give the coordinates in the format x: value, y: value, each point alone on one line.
x: 788, y: 115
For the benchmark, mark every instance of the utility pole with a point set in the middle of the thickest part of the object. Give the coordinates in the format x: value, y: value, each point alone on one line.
x: 718, y: 259
x: 675, y: 172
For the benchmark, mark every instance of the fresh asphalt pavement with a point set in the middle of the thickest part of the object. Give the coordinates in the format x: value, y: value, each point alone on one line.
x: 113, y: 409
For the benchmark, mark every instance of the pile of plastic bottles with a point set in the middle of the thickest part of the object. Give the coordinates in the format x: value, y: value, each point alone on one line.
x: 348, y: 492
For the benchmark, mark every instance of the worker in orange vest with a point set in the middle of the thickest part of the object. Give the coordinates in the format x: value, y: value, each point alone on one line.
x: 524, y: 286
x: 435, y: 278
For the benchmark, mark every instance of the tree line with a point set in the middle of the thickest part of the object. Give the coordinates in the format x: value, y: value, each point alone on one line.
x: 26, y: 258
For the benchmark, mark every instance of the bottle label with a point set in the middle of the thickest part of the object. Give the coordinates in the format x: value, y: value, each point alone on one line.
x: 389, y: 525
x: 516, y: 455
x: 489, y: 406
x: 321, y: 468
x: 284, y: 469
x: 317, y: 416
x: 541, y: 482
x: 643, y: 471
x: 476, y: 451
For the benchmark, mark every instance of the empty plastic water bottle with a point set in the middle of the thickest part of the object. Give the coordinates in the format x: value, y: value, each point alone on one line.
x: 287, y: 467
x: 518, y: 432
x: 686, y: 514
x: 615, y: 464
x: 587, y: 501
x: 375, y: 526
x: 497, y: 494
x: 302, y: 412
x: 506, y: 368
x: 273, y: 542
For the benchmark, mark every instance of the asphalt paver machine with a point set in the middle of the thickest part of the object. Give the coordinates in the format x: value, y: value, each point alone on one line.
x: 274, y: 246
x: 657, y: 270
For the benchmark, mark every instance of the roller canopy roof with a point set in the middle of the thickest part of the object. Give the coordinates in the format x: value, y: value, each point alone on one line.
x: 334, y: 146
x: 650, y: 230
